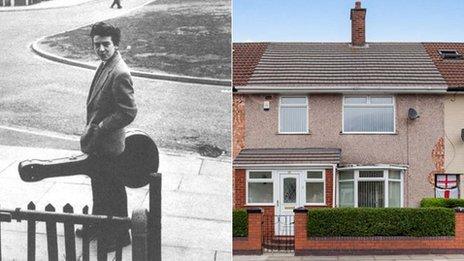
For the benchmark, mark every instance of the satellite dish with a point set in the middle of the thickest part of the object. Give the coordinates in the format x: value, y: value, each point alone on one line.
x: 412, y: 114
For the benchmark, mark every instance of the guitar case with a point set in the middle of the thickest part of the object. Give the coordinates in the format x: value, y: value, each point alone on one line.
x: 134, y: 166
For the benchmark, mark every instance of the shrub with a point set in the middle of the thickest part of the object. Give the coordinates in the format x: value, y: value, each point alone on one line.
x: 240, y: 223
x: 366, y: 222
x: 442, y: 202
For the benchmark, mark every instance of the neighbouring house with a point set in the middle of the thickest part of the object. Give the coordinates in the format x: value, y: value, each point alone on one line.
x: 355, y: 124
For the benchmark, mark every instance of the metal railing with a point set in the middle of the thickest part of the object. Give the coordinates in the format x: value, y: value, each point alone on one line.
x: 145, y: 228
x: 278, y: 233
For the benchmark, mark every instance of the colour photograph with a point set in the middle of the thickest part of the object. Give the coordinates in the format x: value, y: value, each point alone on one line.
x: 348, y: 130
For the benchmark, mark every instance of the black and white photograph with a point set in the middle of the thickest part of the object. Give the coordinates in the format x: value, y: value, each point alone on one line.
x: 115, y: 130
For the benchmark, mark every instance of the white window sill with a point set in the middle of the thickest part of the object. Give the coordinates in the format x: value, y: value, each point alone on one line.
x: 316, y: 205
x: 259, y: 204
x: 368, y: 133
x: 294, y: 133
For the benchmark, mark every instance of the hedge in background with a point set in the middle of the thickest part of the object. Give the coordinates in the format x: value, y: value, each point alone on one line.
x: 366, y: 222
x: 442, y: 202
x: 240, y: 223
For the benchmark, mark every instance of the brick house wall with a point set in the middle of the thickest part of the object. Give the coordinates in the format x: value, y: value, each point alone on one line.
x: 239, y: 180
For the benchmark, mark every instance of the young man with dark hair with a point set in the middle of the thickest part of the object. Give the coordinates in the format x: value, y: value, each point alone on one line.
x: 110, y: 107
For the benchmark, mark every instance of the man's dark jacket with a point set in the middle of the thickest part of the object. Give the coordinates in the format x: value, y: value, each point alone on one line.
x: 110, y: 107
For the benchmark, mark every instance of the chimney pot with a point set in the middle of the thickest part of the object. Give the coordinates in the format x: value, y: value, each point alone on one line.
x: 358, y: 25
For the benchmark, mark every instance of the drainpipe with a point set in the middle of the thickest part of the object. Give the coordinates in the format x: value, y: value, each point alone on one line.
x: 333, y: 185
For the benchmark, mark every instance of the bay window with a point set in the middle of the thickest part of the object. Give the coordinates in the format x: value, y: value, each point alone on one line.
x: 370, y: 188
x: 260, y: 187
x: 368, y: 114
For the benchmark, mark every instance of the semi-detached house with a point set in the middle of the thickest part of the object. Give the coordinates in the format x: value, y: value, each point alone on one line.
x: 355, y: 124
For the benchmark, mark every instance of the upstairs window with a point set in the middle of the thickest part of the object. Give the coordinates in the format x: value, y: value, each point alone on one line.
x: 450, y: 54
x: 293, y: 115
x: 368, y: 114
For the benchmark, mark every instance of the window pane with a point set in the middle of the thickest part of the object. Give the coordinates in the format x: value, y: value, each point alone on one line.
x: 346, y: 175
x: 260, y: 192
x: 356, y: 100
x: 370, y: 174
x: 394, y: 194
x: 314, y: 175
x: 395, y: 174
x: 293, y: 100
x: 289, y: 190
x: 381, y: 100
x: 368, y: 119
x: 260, y: 175
x: 293, y: 119
x: 447, y: 186
x: 314, y: 192
x: 346, y: 194
x: 371, y: 194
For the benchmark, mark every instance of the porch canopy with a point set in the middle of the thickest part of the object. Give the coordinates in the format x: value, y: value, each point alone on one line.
x: 287, y: 157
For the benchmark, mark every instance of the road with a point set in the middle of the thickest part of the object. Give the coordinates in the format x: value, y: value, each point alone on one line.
x: 44, y: 95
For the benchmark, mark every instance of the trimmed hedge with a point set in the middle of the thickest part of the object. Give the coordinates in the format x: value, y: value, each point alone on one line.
x: 441, y: 202
x: 367, y: 222
x: 240, y: 223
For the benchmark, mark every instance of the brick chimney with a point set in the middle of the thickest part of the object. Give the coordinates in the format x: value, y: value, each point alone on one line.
x: 358, y: 25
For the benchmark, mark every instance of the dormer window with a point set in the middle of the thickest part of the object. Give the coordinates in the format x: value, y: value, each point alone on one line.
x: 450, y: 54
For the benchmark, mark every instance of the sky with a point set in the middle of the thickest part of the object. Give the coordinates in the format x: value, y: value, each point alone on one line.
x: 329, y: 20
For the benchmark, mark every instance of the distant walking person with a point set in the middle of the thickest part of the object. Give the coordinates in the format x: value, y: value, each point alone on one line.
x: 116, y: 2
x: 110, y: 108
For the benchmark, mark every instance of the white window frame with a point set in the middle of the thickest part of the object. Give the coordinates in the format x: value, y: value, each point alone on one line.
x: 271, y: 180
x: 294, y: 105
x: 368, y: 105
x: 321, y: 180
x: 385, y: 178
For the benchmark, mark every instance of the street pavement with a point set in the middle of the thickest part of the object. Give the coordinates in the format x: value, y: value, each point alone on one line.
x: 289, y: 257
x: 196, y: 203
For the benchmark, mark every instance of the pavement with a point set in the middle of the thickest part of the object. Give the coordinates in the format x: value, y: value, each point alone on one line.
x: 196, y: 202
x: 290, y: 257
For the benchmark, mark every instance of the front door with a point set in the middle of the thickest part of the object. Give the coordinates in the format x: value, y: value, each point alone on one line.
x: 287, y: 201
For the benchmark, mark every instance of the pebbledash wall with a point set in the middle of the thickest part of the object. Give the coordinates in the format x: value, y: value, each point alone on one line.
x: 418, y: 143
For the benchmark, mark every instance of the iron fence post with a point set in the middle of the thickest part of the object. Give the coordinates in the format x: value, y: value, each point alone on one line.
x: 154, y: 224
x: 31, y: 237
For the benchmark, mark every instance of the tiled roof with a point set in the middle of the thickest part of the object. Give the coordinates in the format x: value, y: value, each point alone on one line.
x: 294, y: 156
x: 245, y: 58
x: 452, y: 70
x: 338, y: 64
